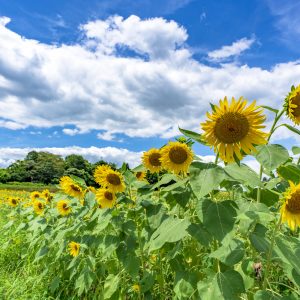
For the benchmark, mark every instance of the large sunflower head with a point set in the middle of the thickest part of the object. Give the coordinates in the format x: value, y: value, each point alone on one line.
x: 108, y: 178
x: 233, y: 128
x: 74, y: 248
x: 35, y: 195
x: 105, y: 198
x: 151, y: 160
x: 71, y: 188
x: 176, y: 157
x: 12, y: 201
x: 38, y: 207
x: 292, y: 104
x: 290, y: 210
x: 64, y: 207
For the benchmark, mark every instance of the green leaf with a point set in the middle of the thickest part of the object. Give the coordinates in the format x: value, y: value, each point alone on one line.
x: 54, y: 285
x: 228, y: 286
x: 139, y: 168
x: 205, y: 177
x: 198, y: 232
x: 217, y: 217
x: 185, y: 284
x: 265, y: 295
x: 230, y: 253
x: 171, y: 230
x: 289, y: 172
x: 147, y: 282
x: 271, y: 156
x: 111, y: 285
x: 193, y: 135
x: 156, y: 214
x: 270, y: 109
x: 243, y: 174
x: 296, y: 150
x: 42, y: 252
x: 291, y: 128
x: 129, y: 260
x: 289, y: 251
x: 167, y: 178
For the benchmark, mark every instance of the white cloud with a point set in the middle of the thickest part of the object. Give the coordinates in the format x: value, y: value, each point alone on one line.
x: 95, y: 85
x: 234, y: 49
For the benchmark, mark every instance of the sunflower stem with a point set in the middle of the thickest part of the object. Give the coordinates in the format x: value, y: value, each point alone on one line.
x: 217, y: 158
x: 269, y: 255
x: 272, y: 130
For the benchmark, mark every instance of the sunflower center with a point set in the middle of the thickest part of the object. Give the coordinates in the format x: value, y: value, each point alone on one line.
x: 14, y: 201
x: 296, y: 101
x: 108, y: 195
x: 139, y: 174
x: 154, y: 159
x: 293, y: 204
x: 65, y: 206
x: 75, y: 188
x: 113, y: 179
x: 231, y: 127
x: 178, y: 155
x: 40, y: 205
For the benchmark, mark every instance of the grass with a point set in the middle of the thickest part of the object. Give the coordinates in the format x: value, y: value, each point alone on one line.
x: 28, y: 186
x: 19, y: 278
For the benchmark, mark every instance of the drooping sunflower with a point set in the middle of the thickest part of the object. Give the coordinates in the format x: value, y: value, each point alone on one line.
x: 292, y: 104
x: 74, y: 248
x: 176, y: 157
x: 151, y: 160
x: 35, y: 195
x: 39, y: 207
x: 108, y: 178
x: 105, y: 198
x: 71, y: 188
x: 13, y: 202
x: 140, y: 176
x: 64, y: 207
x: 290, y: 210
x: 233, y: 128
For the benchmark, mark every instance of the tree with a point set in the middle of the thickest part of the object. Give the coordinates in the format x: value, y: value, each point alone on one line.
x: 4, y: 176
x: 77, y: 162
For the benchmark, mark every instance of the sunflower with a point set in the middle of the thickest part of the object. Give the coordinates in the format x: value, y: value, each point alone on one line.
x: 108, y: 178
x: 292, y: 104
x: 13, y: 202
x: 233, y: 128
x: 63, y: 207
x: 290, y: 210
x: 47, y: 196
x: 140, y: 176
x: 38, y: 206
x: 70, y: 187
x: 151, y: 160
x: 176, y: 157
x: 74, y: 248
x: 136, y: 288
x: 105, y: 198
x: 35, y: 195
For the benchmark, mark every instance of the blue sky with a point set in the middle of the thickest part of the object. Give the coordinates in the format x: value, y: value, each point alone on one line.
x: 125, y: 74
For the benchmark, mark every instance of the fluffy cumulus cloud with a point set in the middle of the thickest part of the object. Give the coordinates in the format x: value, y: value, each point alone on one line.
x: 124, y: 76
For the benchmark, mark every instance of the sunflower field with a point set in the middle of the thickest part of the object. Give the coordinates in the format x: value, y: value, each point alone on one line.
x: 201, y: 230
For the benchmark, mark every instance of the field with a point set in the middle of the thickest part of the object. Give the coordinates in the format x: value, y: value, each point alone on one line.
x: 174, y: 227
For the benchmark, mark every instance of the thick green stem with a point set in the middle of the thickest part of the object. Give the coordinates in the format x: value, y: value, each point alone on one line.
x: 217, y: 158
x: 272, y: 130
x: 269, y: 255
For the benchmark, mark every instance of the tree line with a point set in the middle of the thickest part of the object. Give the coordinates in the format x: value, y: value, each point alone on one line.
x: 48, y: 168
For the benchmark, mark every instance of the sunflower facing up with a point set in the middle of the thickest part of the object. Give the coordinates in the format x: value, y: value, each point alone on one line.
x: 74, y: 248
x: 108, y: 178
x: 71, y: 188
x: 176, y: 157
x: 64, y: 207
x: 151, y: 160
x: 47, y: 196
x: 13, y: 202
x: 105, y: 198
x: 233, y: 128
x: 290, y: 210
x: 292, y: 104
x: 38, y: 207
